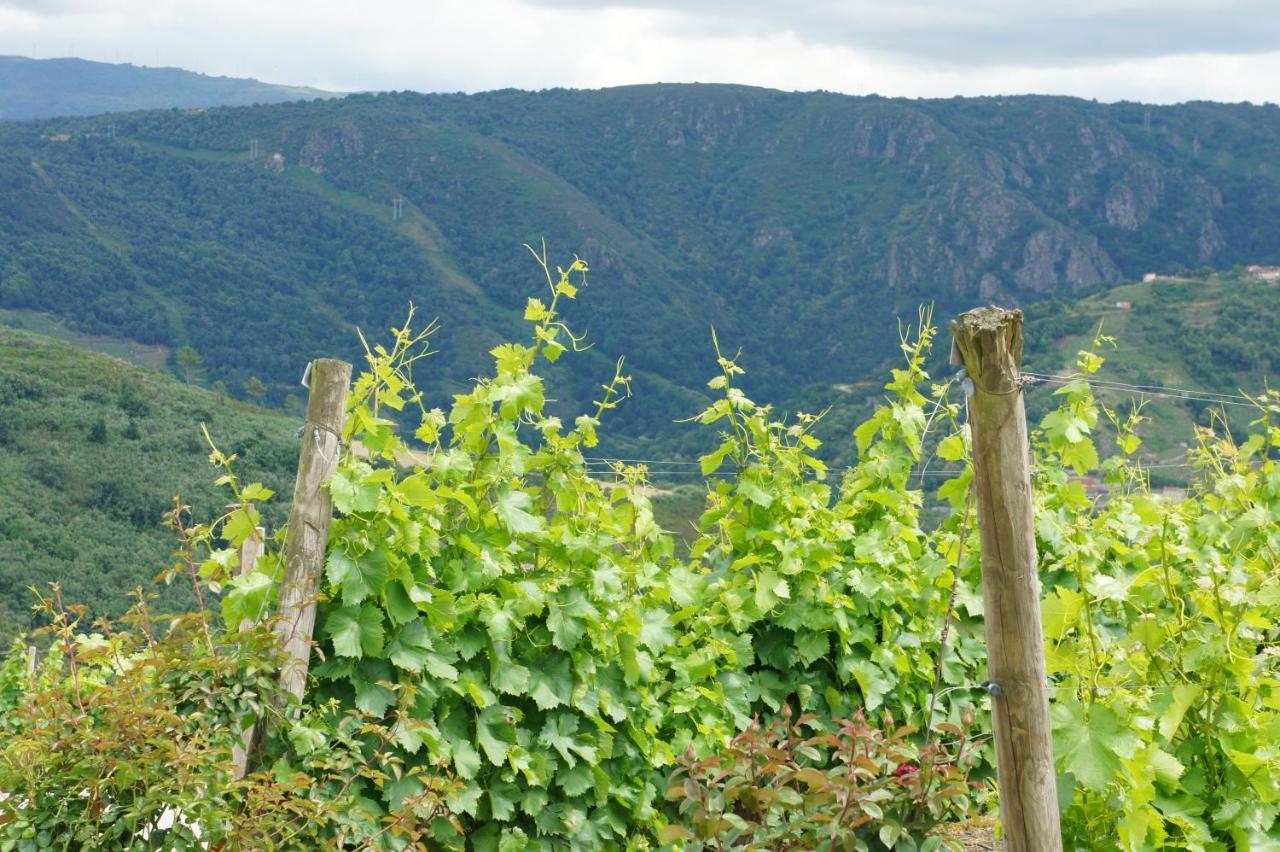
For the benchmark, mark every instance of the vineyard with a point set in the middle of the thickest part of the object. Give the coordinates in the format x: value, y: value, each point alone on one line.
x: 510, y: 653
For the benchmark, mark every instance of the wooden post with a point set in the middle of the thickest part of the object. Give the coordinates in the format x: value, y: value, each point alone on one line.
x: 309, y: 517
x: 32, y: 654
x: 989, y: 344
x: 250, y: 550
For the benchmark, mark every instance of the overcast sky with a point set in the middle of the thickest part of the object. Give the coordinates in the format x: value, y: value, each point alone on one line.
x: 1152, y: 50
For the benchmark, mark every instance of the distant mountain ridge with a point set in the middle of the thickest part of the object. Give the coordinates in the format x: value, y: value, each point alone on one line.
x: 45, y: 88
x: 802, y: 226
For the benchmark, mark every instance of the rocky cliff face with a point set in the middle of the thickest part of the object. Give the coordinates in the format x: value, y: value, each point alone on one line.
x: 1004, y: 198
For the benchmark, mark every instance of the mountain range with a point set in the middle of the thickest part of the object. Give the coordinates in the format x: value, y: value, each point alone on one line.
x: 41, y: 88
x: 803, y: 227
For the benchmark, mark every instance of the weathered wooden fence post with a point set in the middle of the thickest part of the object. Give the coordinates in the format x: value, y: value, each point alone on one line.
x: 989, y: 343
x: 250, y: 550
x: 309, y: 517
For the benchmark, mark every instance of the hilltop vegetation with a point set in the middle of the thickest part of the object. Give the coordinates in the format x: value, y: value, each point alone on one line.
x: 41, y: 88
x: 782, y: 218
x: 1205, y: 332
x: 92, y: 453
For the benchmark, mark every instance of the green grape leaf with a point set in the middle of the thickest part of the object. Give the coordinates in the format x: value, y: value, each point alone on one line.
x: 356, y: 631
x: 951, y: 448
x: 511, y: 678
x: 576, y: 780
x: 496, y: 733
x: 711, y: 462
x: 513, y: 507
x: 551, y: 683
x: 241, y: 523
x: 655, y: 630
x: 466, y: 760
x: 1182, y: 697
x: 350, y: 496
x: 357, y: 579
x: 1089, y: 742
x: 1061, y: 611
x: 872, y: 681
x: 559, y: 733
x: 410, y: 647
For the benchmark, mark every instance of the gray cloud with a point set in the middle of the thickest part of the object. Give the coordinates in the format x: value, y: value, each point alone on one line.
x: 984, y: 32
x: 1105, y: 49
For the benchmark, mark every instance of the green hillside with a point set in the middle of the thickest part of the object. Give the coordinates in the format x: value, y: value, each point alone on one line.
x: 92, y: 452
x: 1214, y: 333
x: 40, y: 88
x: 803, y: 226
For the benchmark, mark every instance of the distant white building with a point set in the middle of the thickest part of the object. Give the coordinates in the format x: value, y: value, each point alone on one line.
x: 1263, y: 273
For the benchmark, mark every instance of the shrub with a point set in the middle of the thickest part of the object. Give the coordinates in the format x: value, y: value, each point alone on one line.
x: 123, y: 739
x: 803, y: 784
x: 533, y: 620
x: 513, y: 656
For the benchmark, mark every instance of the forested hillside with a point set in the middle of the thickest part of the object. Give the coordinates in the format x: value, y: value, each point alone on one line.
x: 92, y: 452
x: 793, y: 222
x: 39, y: 88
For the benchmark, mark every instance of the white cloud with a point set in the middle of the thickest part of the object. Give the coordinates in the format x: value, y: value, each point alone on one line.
x: 1121, y: 49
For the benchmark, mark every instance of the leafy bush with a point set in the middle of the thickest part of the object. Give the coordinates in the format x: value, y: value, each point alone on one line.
x: 831, y: 596
x: 513, y: 657
x: 123, y: 739
x: 514, y: 600
x: 792, y: 785
x: 1160, y: 626
x: 535, y: 624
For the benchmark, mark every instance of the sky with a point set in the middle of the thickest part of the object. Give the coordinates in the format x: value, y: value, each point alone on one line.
x: 1159, y: 51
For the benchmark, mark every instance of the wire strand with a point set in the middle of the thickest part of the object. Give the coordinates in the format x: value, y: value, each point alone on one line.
x: 1148, y: 390
x: 1145, y: 387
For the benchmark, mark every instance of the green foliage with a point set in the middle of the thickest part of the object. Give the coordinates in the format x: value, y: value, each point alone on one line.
x: 798, y: 592
x: 535, y: 622
x: 793, y: 785
x: 123, y: 740
x: 123, y: 737
x: 1159, y: 630
x: 510, y: 647
x: 769, y: 212
x: 561, y: 655
x: 503, y: 592
x: 116, y: 731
